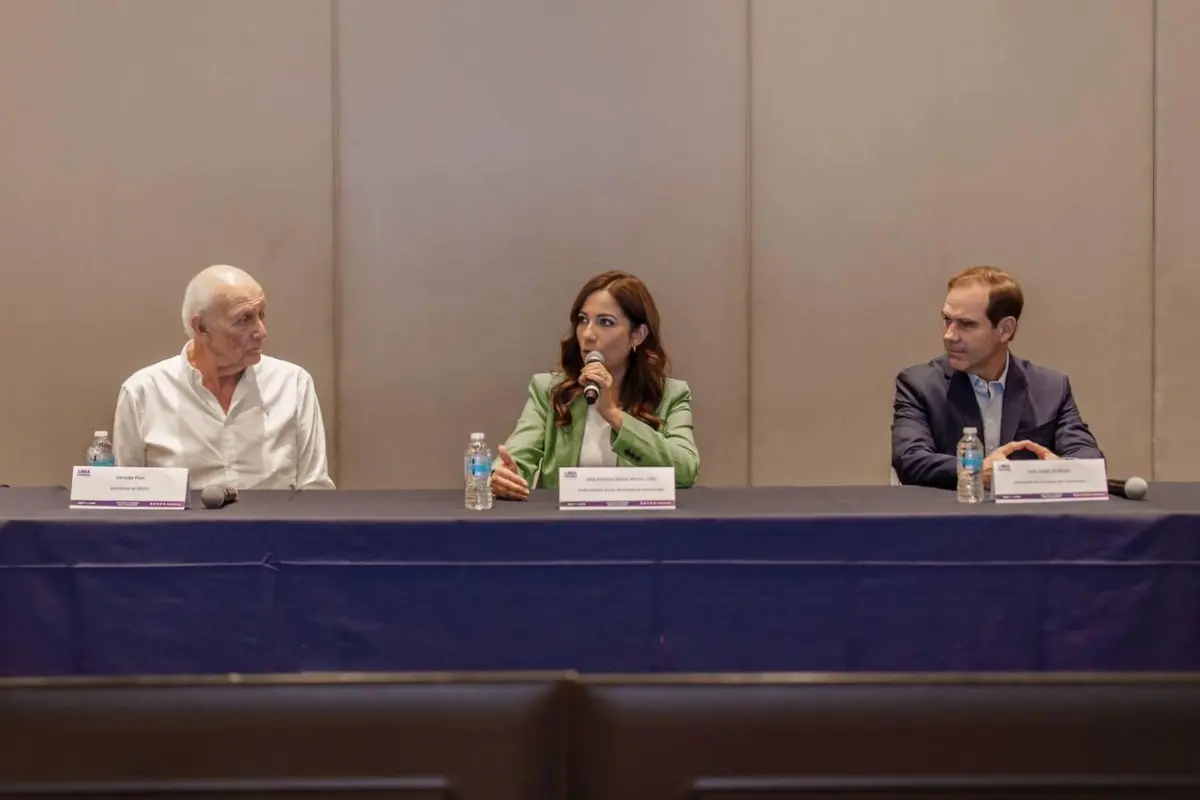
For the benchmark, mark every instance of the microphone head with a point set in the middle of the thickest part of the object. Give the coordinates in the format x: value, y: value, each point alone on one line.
x: 212, y: 497
x: 591, y: 392
x: 1136, y: 488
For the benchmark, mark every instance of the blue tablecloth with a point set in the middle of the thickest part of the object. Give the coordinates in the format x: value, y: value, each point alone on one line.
x: 763, y: 579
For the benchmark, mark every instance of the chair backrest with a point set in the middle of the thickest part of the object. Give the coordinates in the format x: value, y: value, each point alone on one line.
x: 403, y: 737
x: 886, y: 738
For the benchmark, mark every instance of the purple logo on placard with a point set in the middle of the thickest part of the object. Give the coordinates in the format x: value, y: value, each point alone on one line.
x: 1002, y: 467
x: 569, y: 473
x: 83, y: 472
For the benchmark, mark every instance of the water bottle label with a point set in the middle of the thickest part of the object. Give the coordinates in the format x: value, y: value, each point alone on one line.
x: 481, y: 467
x: 972, y: 462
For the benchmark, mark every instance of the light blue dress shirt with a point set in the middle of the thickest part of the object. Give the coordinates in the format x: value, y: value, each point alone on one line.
x: 990, y: 396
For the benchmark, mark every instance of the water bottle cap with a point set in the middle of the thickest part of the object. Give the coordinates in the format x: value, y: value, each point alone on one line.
x: 477, y: 437
x: 970, y: 430
x: 100, y: 434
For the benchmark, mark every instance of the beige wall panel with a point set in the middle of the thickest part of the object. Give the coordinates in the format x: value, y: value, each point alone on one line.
x: 896, y: 142
x: 144, y: 140
x: 493, y: 156
x: 1177, y: 234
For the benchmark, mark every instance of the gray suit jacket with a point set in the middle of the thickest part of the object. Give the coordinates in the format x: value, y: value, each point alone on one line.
x: 935, y: 402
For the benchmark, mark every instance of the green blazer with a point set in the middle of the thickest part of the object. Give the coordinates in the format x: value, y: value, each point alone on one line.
x: 540, y: 447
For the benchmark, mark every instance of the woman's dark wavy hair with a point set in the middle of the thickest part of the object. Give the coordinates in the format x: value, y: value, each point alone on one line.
x: 641, y: 389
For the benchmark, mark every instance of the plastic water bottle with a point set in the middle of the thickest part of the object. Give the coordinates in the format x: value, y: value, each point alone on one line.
x: 970, y: 467
x: 477, y: 470
x: 100, y: 451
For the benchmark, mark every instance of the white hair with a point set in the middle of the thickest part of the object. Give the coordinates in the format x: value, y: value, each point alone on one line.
x: 203, y: 289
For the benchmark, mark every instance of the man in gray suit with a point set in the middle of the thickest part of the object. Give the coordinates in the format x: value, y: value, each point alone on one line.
x: 1022, y: 410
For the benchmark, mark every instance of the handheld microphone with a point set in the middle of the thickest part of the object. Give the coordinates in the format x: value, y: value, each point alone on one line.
x: 1130, y: 489
x: 218, y: 496
x: 591, y: 392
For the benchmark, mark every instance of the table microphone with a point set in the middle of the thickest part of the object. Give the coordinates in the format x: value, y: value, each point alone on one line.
x: 217, y: 496
x: 1130, y: 489
x: 591, y: 392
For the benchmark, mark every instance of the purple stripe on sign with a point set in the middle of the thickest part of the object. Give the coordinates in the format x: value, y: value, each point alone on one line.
x: 127, y: 504
x: 1054, y: 496
x: 618, y: 504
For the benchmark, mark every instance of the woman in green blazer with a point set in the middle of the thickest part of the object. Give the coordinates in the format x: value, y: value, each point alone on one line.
x: 640, y: 417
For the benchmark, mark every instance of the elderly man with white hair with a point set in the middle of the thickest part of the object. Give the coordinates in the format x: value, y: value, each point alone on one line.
x: 221, y: 409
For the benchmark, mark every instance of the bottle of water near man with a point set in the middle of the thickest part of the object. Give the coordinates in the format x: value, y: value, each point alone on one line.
x: 477, y: 470
x: 970, y: 467
x: 100, y: 451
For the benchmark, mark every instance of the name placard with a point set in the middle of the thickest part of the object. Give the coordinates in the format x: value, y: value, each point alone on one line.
x: 129, y: 487
x: 1055, y: 481
x: 637, y: 488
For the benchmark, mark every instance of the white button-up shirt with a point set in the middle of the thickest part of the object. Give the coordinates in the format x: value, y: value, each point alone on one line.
x: 271, y: 438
